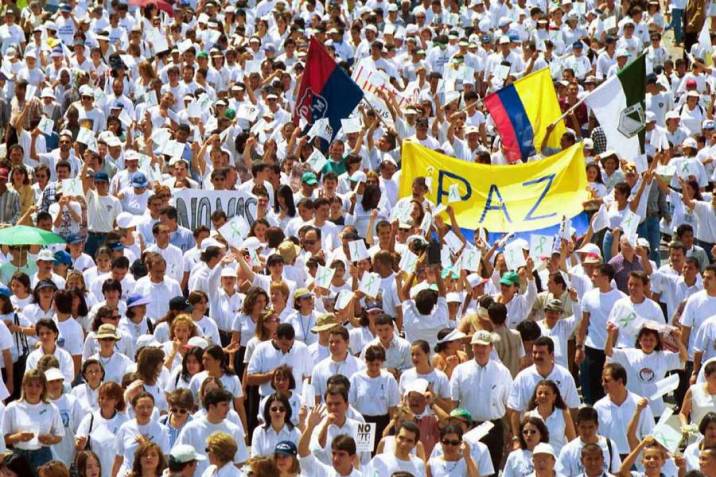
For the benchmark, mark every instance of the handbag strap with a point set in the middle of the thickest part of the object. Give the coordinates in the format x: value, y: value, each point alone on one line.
x: 20, y: 337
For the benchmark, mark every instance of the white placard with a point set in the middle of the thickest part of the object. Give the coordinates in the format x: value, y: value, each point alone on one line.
x: 470, y: 259
x: 630, y: 222
x: 46, y: 126
x: 358, y: 250
x: 30, y: 92
x: 601, y: 220
x: 324, y: 275
x: 72, y: 187
x: 426, y: 223
x: 350, y: 125
x: 666, y: 435
x: 365, y: 436
x: 564, y: 228
x: 478, y: 432
x: 501, y: 73
x: 445, y: 258
x: 541, y: 246
x: 454, y: 194
x: 194, y: 109
x: 665, y: 386
x: 370, y: 284
x: 174, y: 149
x: 151, y: 98
x: 317, y: 160
x: 667, y: 171
x: 253, y: 66
x: 610, y: 23
x: 343, y: 299
x: 453, y: 241
x: 125, y: 118
x: 184, y: 45
x: 235, y: 230
x: 401, y: 211
x: 321, y: 128
x: 408, y: 261
x: 514, y: 257
x: 308, y: 395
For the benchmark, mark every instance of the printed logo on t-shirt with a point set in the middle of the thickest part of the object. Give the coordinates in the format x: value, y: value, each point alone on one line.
x: 646, y: 374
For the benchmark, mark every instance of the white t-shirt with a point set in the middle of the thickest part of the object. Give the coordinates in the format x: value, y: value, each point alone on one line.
x: 386, y: 464
x: 40, y: 418
x: 699, y: 307
x: 102, y: 211
x: 373, y: 396
x: 598, y: 305
x: 645, y: 370
x: 625, y: 309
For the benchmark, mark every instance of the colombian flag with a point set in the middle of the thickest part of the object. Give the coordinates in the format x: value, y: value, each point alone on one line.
x: 521, y: 113
x: 326, y: 90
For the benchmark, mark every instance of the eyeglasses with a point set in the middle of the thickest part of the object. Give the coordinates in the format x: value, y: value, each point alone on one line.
x: 178, y: 410
x: 450, y: 443
x: 277, y: 409
x: 528, y: 432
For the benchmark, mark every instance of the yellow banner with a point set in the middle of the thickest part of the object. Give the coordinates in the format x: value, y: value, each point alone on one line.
x: 515, y: 198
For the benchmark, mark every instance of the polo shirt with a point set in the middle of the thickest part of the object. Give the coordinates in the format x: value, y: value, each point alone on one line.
x: 196, y: 432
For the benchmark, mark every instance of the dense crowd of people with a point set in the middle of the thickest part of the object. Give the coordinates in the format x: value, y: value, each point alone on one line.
x: 167, y: 335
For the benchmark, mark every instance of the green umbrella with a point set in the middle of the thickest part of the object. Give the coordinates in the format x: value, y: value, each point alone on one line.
x: 24, y: 235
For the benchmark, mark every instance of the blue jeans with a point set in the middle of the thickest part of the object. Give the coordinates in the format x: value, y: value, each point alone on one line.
x: 36, y: 458
x: 677, y: 23
x: 650, y: 230
x: 607, y: 245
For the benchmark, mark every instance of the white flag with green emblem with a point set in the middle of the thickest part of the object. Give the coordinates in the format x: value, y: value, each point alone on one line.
x: 618, y: 105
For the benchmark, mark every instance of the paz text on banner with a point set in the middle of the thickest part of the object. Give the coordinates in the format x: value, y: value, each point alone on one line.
x: 512, y: 198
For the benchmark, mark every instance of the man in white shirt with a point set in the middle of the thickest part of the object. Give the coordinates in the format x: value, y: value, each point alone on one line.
x: 171, y: 253
x: 591, y: 334
x: 269, y: 355
x: 635, y: 306
x: 335, y: 423
x: 339, y: 362
x: 489, y: 375
x: 400, y: 460
x: 102, y: 209
x: 343, y: 451
x: 699, y: 307
x: 571, y: 458
x: 617, y: 408
x: 217, y: 403
x: 544, y: 367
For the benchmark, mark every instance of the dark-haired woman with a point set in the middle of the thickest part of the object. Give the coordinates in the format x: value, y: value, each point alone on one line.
x: 87, y: 392
x: 216, y: 365
x: 648, y: 353
x: 519, y: 462
x: 97, y: 430
x: 455, y: 459
x: 47, y: 332
x: 277, y: 426
x: 191, y: 365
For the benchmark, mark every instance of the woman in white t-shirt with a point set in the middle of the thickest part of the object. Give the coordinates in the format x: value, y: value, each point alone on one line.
x: 547, y: 404
x: 438, y: 380
x: 180, y: 377
x: 97, y: 430
x: 88, y: 392
x: 519, y: 462
x: 647, y: 363
x: 181, y: 329
x: 48, y: 333
x: 32, y: 424
x: 456, y: 459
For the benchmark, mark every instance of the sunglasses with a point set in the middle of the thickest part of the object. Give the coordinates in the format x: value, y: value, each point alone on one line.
x: 178, y: 410
x: 528, y: 432
x: 277, y: 409
x: 450, y: 443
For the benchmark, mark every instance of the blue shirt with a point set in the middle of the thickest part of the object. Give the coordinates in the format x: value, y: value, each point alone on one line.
x: 182, y: 238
